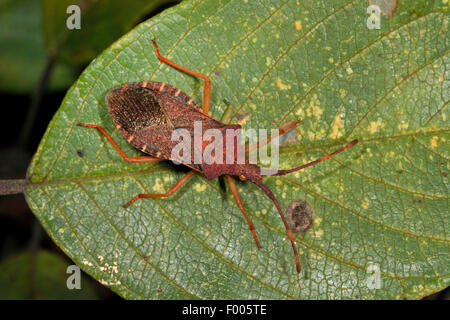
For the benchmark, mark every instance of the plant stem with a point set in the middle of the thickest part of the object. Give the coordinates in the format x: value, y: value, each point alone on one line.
x: 36, y: 98
x: 12, y: 186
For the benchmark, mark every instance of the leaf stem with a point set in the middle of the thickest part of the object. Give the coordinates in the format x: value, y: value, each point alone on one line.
x: 12, y: 186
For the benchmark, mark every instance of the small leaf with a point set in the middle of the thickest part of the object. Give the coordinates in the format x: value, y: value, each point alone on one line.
x: 380, y: 209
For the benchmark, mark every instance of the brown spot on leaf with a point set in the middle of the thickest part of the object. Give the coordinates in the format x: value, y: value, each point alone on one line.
x: 299, y: 216
x: 387, y: 7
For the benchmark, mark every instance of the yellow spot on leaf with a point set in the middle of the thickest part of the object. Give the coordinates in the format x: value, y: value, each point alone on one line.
x: 342, y: 93
x: 316, y: 135
x: 281, y: 85
x: 434, y: 142
x: 336, y: 129
x: 300, y: 112
x: 200, y: 187
x: 88, y: 263
x: 317, y: 221
x: 318, y: 233
x: 298, y: 25
x: 375, y: 126
x: 403, y: 125
x: 314, y: 108
x: 365, y: 204
x: 158, y: 186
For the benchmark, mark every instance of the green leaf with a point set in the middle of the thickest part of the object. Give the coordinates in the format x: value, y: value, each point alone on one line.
x: 22, y: 50
x: 42, y: 275
x: 379, y: 206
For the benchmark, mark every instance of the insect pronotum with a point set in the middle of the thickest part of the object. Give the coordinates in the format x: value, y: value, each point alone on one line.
x: 146, y: 113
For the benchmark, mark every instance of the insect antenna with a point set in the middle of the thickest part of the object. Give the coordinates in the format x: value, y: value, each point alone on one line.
x: 283, y: 172
x: 272, y: 197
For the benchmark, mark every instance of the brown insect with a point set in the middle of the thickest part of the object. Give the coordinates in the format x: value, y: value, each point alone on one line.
x: 147, y: 113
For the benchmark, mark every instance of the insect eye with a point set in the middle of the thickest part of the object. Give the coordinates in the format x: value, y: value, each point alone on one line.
x: 243, y: 178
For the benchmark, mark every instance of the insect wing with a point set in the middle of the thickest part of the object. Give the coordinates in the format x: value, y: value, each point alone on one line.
x: 156, y: 117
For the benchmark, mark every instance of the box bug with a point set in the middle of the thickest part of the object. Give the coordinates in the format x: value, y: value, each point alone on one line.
x: 147, y: 113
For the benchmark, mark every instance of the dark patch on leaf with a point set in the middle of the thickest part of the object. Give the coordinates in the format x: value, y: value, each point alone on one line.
x: 299, y: 216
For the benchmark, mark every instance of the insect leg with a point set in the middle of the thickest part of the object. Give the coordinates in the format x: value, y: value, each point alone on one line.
x: 348, y: 145
x: 266, y: 141
x: 241, y: 207
x: 207, y: 89
x: 124, y: 156
x: 171, y: 191
x: 288, y: 229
